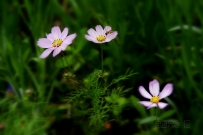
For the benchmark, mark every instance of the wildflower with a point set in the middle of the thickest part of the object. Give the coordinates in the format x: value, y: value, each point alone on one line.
x: 9, y: 88
x: 156, y: 95
x: 10, y: 92
x: 101, y: 35
x: 56, y: 41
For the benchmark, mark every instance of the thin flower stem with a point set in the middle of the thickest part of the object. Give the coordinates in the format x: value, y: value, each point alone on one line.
x: 156, y: 113
x: 75, y: 81
x: 66, y: 62
x: 101, y: 57
x: 156, y: 120
x: 62, y: 62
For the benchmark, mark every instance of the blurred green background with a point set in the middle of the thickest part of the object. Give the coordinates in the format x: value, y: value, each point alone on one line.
x: 158, y: 39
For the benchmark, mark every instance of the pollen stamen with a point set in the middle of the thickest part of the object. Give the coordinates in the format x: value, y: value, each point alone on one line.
x: 57, y: 43
x: 155, y: 99
x: 101, y: 38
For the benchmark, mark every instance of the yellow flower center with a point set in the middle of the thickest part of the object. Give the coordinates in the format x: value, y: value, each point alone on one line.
x: 101, y: 38
x: 57, y: 43
x: 155, y: 99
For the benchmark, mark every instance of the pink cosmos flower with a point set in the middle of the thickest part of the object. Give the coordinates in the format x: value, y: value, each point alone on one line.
x: 101, y: 35
x: 155, y: 95
x: 56, y: 41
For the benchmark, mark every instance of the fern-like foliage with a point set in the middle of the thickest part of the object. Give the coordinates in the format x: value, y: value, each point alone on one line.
x: 90, y: 103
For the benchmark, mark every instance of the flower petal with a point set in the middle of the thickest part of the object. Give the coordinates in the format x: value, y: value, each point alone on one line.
x: 63, y: 46
x: 64, y: 33
x: 107, y: 28
x: 91, y: 38
x: 56, y: 32
x: 111, y: 36
x: 92, y: 33
x: 100, y: 30
x: 54, y: 29
x: 46, y: 53
x: 154, y: 87
x: 69, y: 38
x: 50, y: 37
x: 162, y: 105
x: 56, y: 51
x: 144, y: 93
x: 168, y: 89
x: 44, y: 43
x: 153, y: 105
x: 146, y: 103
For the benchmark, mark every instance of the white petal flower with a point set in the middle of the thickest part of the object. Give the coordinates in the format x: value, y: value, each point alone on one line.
x: 101, y: 35
x: 56, y: 41
x: 156, y: 96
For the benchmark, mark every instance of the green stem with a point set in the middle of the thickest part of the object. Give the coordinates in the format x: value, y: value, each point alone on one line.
x: 69, y: 69
x: 156, y: 113
x: 62, y: 61
x: 66, y: 62
x: 101, y: 57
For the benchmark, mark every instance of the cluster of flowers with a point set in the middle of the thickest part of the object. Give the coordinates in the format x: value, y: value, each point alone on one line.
x: 57, y: 41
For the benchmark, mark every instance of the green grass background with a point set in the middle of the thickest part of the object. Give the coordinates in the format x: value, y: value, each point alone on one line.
x: 144, y: 44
